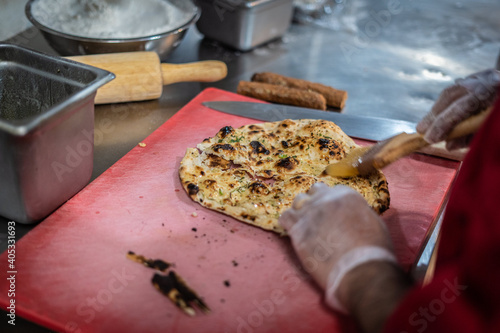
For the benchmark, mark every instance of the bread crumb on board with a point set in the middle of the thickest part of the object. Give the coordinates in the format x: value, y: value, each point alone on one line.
x: 142, y: 144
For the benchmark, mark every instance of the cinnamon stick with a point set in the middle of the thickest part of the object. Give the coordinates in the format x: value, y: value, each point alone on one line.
x: 334, y: 97
x: 283, y: 95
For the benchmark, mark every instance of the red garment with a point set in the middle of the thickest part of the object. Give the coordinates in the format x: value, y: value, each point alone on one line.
x: 464, y: 295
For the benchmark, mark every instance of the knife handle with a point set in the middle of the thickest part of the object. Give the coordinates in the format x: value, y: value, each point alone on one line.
x: 404, y: 144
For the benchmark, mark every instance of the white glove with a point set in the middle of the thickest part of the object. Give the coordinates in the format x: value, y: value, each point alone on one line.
x: 456, y: 103
x: 334, y: 230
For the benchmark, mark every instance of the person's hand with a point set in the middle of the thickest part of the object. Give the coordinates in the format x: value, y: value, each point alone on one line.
x: 334, y: 230
x: 458, y: 102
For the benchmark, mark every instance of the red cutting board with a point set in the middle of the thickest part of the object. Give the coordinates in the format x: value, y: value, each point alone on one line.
x: 73, y: 275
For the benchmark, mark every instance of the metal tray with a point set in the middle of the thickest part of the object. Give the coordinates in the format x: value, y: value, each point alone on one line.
x: 244, y: 25
x: 46, y: 130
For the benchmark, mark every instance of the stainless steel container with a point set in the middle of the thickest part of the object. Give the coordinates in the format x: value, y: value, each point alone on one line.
x: 243, y: 25
x: 46, y: 131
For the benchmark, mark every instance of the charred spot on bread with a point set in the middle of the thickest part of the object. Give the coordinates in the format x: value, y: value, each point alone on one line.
x: 287, y: 163
x: 193, y: 189
x: 248, y: 217
x: 225, y: 131
x: 217, y: 161
x: 258, y: 148
x: 219, y: 147
x: 258, y: 188
x: 284, y: 144
x: 209, y: 183
x: 334, y: 148
x: 323, y: 143
x: 268, y: 172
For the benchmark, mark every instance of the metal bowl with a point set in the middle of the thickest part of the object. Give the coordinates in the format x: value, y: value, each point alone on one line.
x: 163, y: 43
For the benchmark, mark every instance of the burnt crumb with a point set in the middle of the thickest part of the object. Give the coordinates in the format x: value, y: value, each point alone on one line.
x: 225, y: 131
x: 227, y: 283
x: 175, y: 288
x: 172, y: 285
x: 194, y: 229
x: 163, y: 224
x: 258, y: 148
x: 222, y: 300
x: 235, y: 263
x: 157, y: 264
x: 160, y: 265
x: 192, y: 189
x: 226, y: 146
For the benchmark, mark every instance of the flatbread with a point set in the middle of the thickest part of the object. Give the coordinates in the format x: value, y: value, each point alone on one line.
x: 254, y: 172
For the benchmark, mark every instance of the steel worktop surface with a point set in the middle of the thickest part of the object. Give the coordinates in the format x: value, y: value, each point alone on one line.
x: 393, y: 58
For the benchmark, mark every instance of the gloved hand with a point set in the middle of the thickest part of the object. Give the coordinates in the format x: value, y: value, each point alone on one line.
x: 456, y: 103
x: 334, y: 230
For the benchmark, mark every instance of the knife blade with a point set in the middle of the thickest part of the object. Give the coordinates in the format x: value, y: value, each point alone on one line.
x: 361, y: 127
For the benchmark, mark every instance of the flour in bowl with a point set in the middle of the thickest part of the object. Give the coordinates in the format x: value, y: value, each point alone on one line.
x: 110, y: 19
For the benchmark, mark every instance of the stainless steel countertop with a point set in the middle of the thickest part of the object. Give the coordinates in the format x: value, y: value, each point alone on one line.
x: 394, y: 60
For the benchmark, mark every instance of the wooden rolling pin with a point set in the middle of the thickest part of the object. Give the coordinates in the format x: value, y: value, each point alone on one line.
x: 141, y: 76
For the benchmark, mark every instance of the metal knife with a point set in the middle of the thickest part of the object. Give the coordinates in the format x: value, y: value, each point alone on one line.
x: 369, y: 128
x: 361, y: 127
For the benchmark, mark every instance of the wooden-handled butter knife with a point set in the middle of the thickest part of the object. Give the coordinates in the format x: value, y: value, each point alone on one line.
x: 365, y: 160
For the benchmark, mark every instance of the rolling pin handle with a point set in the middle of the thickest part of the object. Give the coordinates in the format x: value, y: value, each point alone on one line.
x: 202, y: 71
